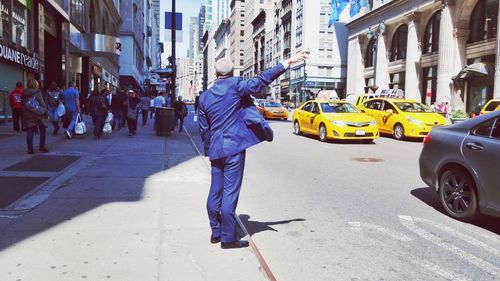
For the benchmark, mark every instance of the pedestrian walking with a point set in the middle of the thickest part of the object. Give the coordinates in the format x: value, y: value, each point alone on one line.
x: 132, y: 112
x: 159, y: 100
x: 229, y: 124
x: 98, y: 109
x: 180, y: 112
x: 16, y: 105
x: 72, y: 104
x: 34, y: 115
x: 197, y: 102
x: 151, y: 107
x: 119, y: 108
x: 55, y: 97
x: 145, y: 106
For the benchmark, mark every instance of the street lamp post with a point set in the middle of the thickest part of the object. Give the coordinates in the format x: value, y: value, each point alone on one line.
x: 375, y: 34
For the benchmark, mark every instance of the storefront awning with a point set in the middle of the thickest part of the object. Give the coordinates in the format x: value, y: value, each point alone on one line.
x: 475, y: 69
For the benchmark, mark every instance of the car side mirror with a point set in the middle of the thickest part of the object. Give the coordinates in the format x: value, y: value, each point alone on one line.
x: 390, y: 111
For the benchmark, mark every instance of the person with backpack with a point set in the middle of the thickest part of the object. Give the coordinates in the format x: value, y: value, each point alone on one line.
x: 98, y: 109
x: 16, y: 105
x: 55, y: 97
x: 35, y: 115
x: 180, y: 111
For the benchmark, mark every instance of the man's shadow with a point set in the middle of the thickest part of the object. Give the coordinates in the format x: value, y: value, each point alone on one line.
x: 254, y: 227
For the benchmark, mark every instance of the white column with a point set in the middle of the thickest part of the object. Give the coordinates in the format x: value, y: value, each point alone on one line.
x: 382, y: 65
x: 461, y: 35
x: 412, y: 82
x: 496, y: 92
x: 446, y: 54
x: 355, y: 68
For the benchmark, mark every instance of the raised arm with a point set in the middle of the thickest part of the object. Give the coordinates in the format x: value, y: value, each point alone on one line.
x: 256, y: 84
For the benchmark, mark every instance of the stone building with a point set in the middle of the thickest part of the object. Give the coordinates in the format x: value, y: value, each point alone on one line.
x: 436, y: 51
x: 237, y: 35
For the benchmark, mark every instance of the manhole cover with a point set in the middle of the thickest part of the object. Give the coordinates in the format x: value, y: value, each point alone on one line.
x: 13, y: 188
x: 367, y: 159
x: 44, y: 163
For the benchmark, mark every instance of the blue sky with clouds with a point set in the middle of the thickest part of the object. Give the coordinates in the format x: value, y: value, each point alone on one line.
x: 188, y: 8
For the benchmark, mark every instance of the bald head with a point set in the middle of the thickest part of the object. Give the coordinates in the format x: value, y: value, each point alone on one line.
x: 224, y: 67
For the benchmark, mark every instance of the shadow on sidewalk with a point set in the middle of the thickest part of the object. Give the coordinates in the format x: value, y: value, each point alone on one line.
x: 254, y: 227
x: 120, y: 174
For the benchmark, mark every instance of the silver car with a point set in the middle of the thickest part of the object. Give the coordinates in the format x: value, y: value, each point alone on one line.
x: 462, y: 162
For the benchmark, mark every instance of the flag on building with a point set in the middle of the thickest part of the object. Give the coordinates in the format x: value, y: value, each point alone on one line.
x: 338, y: 7
x: 356, y: 6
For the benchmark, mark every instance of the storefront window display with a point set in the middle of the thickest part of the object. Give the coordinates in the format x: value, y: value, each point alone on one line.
x: 430, y: 85
x: 480, y: 87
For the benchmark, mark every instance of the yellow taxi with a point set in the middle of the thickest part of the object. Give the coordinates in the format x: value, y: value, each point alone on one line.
x: 333, y: 119
x: 403, y: 118
x: 273, y: 110
x: 490, y: 106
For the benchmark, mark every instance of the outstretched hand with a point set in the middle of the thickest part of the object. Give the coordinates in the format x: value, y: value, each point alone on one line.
x: 301, y: 56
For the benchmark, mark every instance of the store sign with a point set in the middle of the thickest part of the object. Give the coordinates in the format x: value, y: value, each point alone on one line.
x: 19, y: 56
x: 97, y: 70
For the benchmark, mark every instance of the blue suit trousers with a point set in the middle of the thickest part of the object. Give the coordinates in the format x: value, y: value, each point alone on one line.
x: 227, y: 176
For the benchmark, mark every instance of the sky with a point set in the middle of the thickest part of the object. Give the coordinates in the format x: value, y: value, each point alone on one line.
x: 188, y: 8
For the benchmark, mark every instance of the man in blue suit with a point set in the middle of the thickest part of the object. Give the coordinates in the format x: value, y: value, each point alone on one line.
x: 230, y: 124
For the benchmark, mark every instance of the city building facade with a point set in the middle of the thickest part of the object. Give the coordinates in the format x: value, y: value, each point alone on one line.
x: 237, y: 35
x: 193, y: 38
x: 436, y: 51
x: 326, y: 67
x: 132, y: 35
x: 59, y: 41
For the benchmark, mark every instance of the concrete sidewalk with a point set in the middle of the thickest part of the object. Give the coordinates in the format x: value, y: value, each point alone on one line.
x: 132, y: 208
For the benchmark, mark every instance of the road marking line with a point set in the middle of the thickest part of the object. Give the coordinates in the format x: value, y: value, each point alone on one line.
x: 436, y: 269
x: 471, y: 240
x: 255, y: 250
x: 409, y: 223
x: 356, y: 225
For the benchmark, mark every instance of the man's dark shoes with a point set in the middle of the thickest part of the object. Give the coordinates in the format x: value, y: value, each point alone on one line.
x: 214, y: 240
x: 235, y: 244
x: 43, y: 150
x: 31, y: 152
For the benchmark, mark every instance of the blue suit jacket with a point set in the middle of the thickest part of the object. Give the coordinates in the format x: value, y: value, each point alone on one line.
x: 229, y: 121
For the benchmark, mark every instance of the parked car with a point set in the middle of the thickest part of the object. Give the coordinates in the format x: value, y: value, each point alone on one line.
x: 272, y: 110
x: 334, y: 120
x: 461, y: 162
x: 490, y: 106
x: 402, y: 118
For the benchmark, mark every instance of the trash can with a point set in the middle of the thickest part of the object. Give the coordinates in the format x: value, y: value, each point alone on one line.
x: 164, y: 121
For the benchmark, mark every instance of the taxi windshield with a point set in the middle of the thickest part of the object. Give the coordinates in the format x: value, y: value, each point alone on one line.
x: 272, y: 104
x: 338, y: 108
x: 414, y: 107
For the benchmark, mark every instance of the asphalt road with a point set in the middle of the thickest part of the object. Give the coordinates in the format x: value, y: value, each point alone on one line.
x: 343, y: 211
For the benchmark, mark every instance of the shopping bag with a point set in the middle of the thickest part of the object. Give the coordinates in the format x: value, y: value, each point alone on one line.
x: 80, y: 128
x: 109, y: 117
x: 107, y: 128
x: 61, y: 110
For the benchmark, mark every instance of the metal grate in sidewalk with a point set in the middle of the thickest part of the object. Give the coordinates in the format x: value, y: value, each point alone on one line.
x: 13, y: 188
x: 44, y: 163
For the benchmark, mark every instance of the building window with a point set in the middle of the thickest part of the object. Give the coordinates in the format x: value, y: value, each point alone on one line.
x: 399, y: 43
x: 398, y: 80
x: 431, y: 35
x: 77, y: 13
x: 370, y: 53
x: 430, y: 85
x: 20, y: 24
x: 483, y: 22
x: 5, y: 22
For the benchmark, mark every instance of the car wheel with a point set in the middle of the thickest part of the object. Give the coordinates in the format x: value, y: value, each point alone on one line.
x: 322, y: 133
x: 296, y: 128
x: 458, y: 195
x: 399, y: 132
